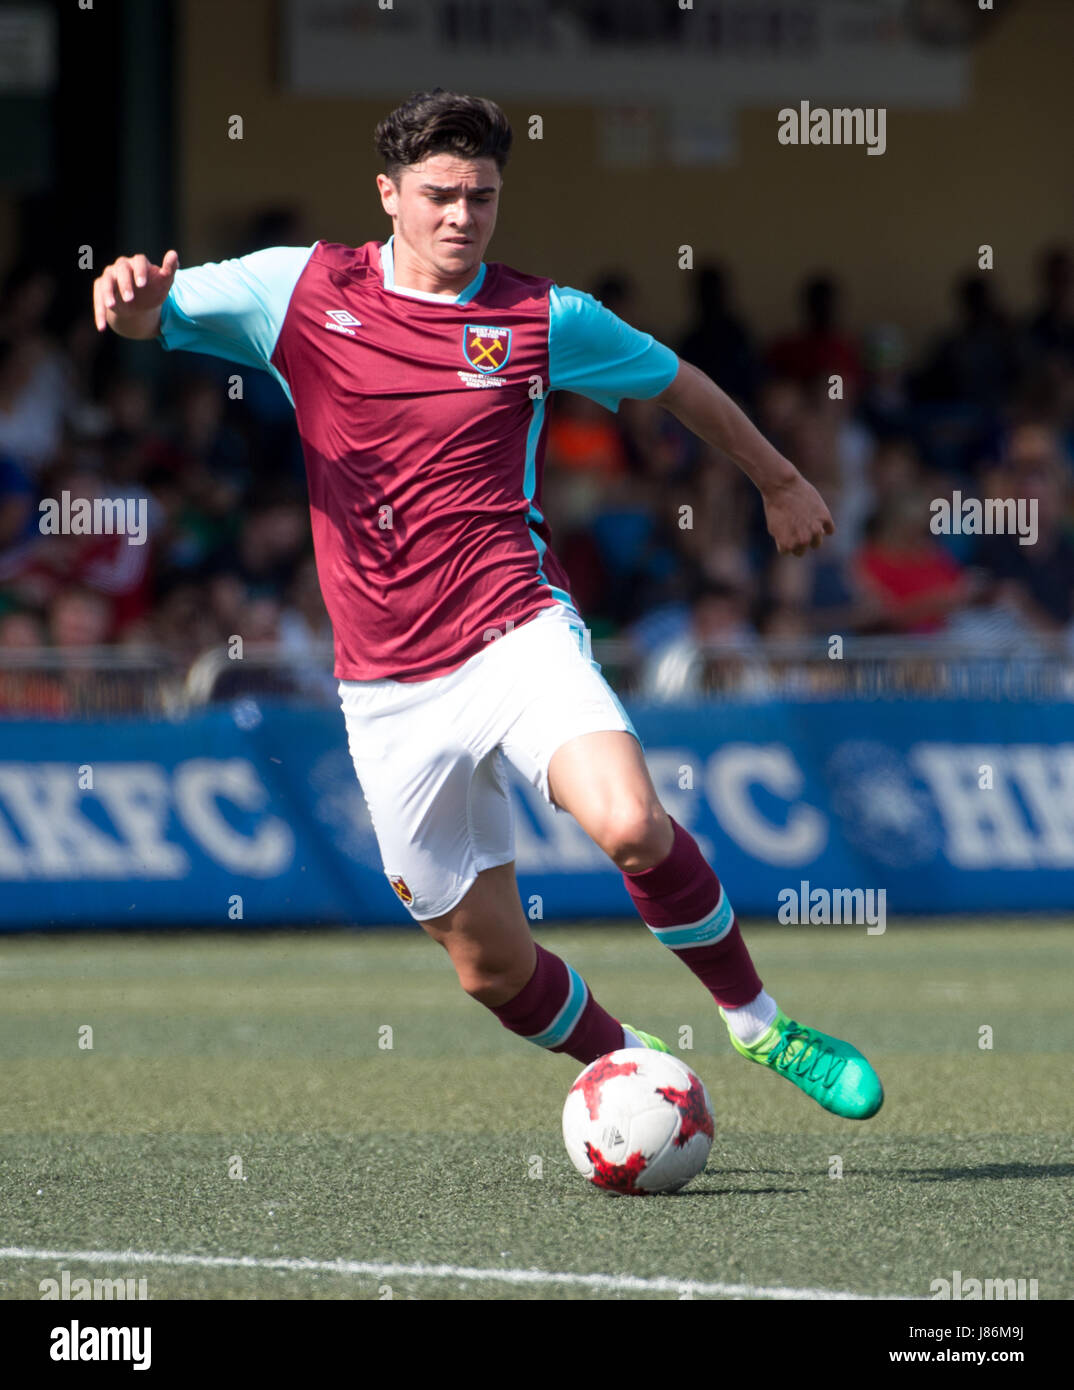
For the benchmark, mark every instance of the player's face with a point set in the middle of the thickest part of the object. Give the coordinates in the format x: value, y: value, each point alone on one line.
x: 444, y: 214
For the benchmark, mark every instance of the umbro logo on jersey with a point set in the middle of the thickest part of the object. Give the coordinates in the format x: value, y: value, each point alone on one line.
x: 343, y: 321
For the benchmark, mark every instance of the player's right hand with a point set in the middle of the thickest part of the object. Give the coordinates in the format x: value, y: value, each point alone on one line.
x: 130, y: 286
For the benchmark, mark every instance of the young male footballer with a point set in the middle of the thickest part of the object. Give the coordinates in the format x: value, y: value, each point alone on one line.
x: 420, y: 377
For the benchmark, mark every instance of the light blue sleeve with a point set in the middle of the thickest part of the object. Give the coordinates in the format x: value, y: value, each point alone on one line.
x: 593, y: 352
x: 233, y: 309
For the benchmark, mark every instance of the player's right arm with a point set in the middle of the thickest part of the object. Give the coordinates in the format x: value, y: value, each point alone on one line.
x: 128, y: 294
x: 232, y: 309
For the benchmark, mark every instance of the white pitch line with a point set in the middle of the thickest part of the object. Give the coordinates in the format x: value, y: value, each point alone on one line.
x: 622, y: 1283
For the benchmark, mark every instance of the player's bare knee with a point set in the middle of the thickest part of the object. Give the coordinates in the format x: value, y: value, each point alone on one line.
x: 636, y: 836
x: 491, y: 987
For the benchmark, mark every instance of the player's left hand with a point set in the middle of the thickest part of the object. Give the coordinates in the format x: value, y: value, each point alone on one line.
x: 796, y: 516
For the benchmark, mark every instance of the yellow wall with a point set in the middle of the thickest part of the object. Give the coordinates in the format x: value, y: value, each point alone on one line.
x: 897, y: 227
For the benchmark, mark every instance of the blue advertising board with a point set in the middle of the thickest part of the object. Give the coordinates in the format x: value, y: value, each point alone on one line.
x: 250, y: 815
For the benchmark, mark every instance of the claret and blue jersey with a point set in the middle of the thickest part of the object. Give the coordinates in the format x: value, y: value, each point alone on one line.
x: 423, y: 420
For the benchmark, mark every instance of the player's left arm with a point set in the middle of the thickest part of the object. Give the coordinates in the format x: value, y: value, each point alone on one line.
x: 594, y: 352
x: 794, y: 510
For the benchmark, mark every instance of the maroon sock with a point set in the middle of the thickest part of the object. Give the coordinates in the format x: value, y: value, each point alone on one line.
x: 557, y: 1011
x: 683, y: 904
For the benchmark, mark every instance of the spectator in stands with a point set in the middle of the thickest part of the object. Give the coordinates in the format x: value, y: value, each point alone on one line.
x: 583, y: 439
x: 26, y: 302
x: 134, y: 446
x: 304, y: 623
x: 908, y: 583
x: 272, y: 541
x: 305, y: 631
x: 657, y: 445
x: 718, y: 341
x: 227, y: 594
x: 22, y: 630
x: 884, y: 404
x: 18, y: 517
x: 832, y: 448
x: 585, y: 451
x: 894, y: 470
x: 184, y: 622
x: 719, y: 630
x: 35, y: 376
x: 1036, y: 579
x: 261, y: 620
x: 977, y: 362
x: 109, y: 563
x: 821, y: 347
x: 784, y: 623
x: 636, y: 548
x: 781, y: 403
x: 206, y: 443
x: 78, y: 617
x: 198, y: 475
x: 31, y: 404
x: 714, y: 535
x: 1050, y: 329
x: 86, y: 355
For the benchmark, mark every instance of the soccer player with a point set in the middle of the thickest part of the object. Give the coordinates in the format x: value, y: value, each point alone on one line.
x: 420, y: 377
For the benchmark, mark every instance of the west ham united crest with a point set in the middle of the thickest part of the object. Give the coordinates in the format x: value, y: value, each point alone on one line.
x: 486, y: 349
x: 404, y: 893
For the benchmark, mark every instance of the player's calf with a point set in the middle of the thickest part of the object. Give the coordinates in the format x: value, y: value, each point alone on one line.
x: 556, y: 1010
x: 532, y: 992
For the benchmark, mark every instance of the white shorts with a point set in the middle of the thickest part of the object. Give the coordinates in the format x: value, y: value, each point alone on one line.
x: 430, y: 754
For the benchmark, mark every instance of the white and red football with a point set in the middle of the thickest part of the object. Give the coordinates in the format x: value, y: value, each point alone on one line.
x: 638, y: 1121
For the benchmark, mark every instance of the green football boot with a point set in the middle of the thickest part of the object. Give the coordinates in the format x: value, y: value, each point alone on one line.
x: 831, y: 1071
x: 647, y: 1038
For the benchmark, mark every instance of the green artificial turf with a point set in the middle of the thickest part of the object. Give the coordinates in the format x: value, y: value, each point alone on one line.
x: 444, y: 1149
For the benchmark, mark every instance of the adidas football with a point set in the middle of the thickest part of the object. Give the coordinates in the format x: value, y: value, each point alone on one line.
x: 638, y: 1121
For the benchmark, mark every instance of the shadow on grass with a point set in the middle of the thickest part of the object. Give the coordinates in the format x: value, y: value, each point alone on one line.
x: 740, y: 1192
x: 984, y: 1170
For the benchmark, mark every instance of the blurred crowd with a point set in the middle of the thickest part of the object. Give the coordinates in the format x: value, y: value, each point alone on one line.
x: 663, y: 538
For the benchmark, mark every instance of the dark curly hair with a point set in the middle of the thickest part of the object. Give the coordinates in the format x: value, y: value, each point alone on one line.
x: 440, y: 122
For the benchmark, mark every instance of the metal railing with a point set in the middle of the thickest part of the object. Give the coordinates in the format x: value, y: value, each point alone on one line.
x: 935, y: 667
x: 264, y: 669
x: 87, y: 681
x: 75, y: 682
